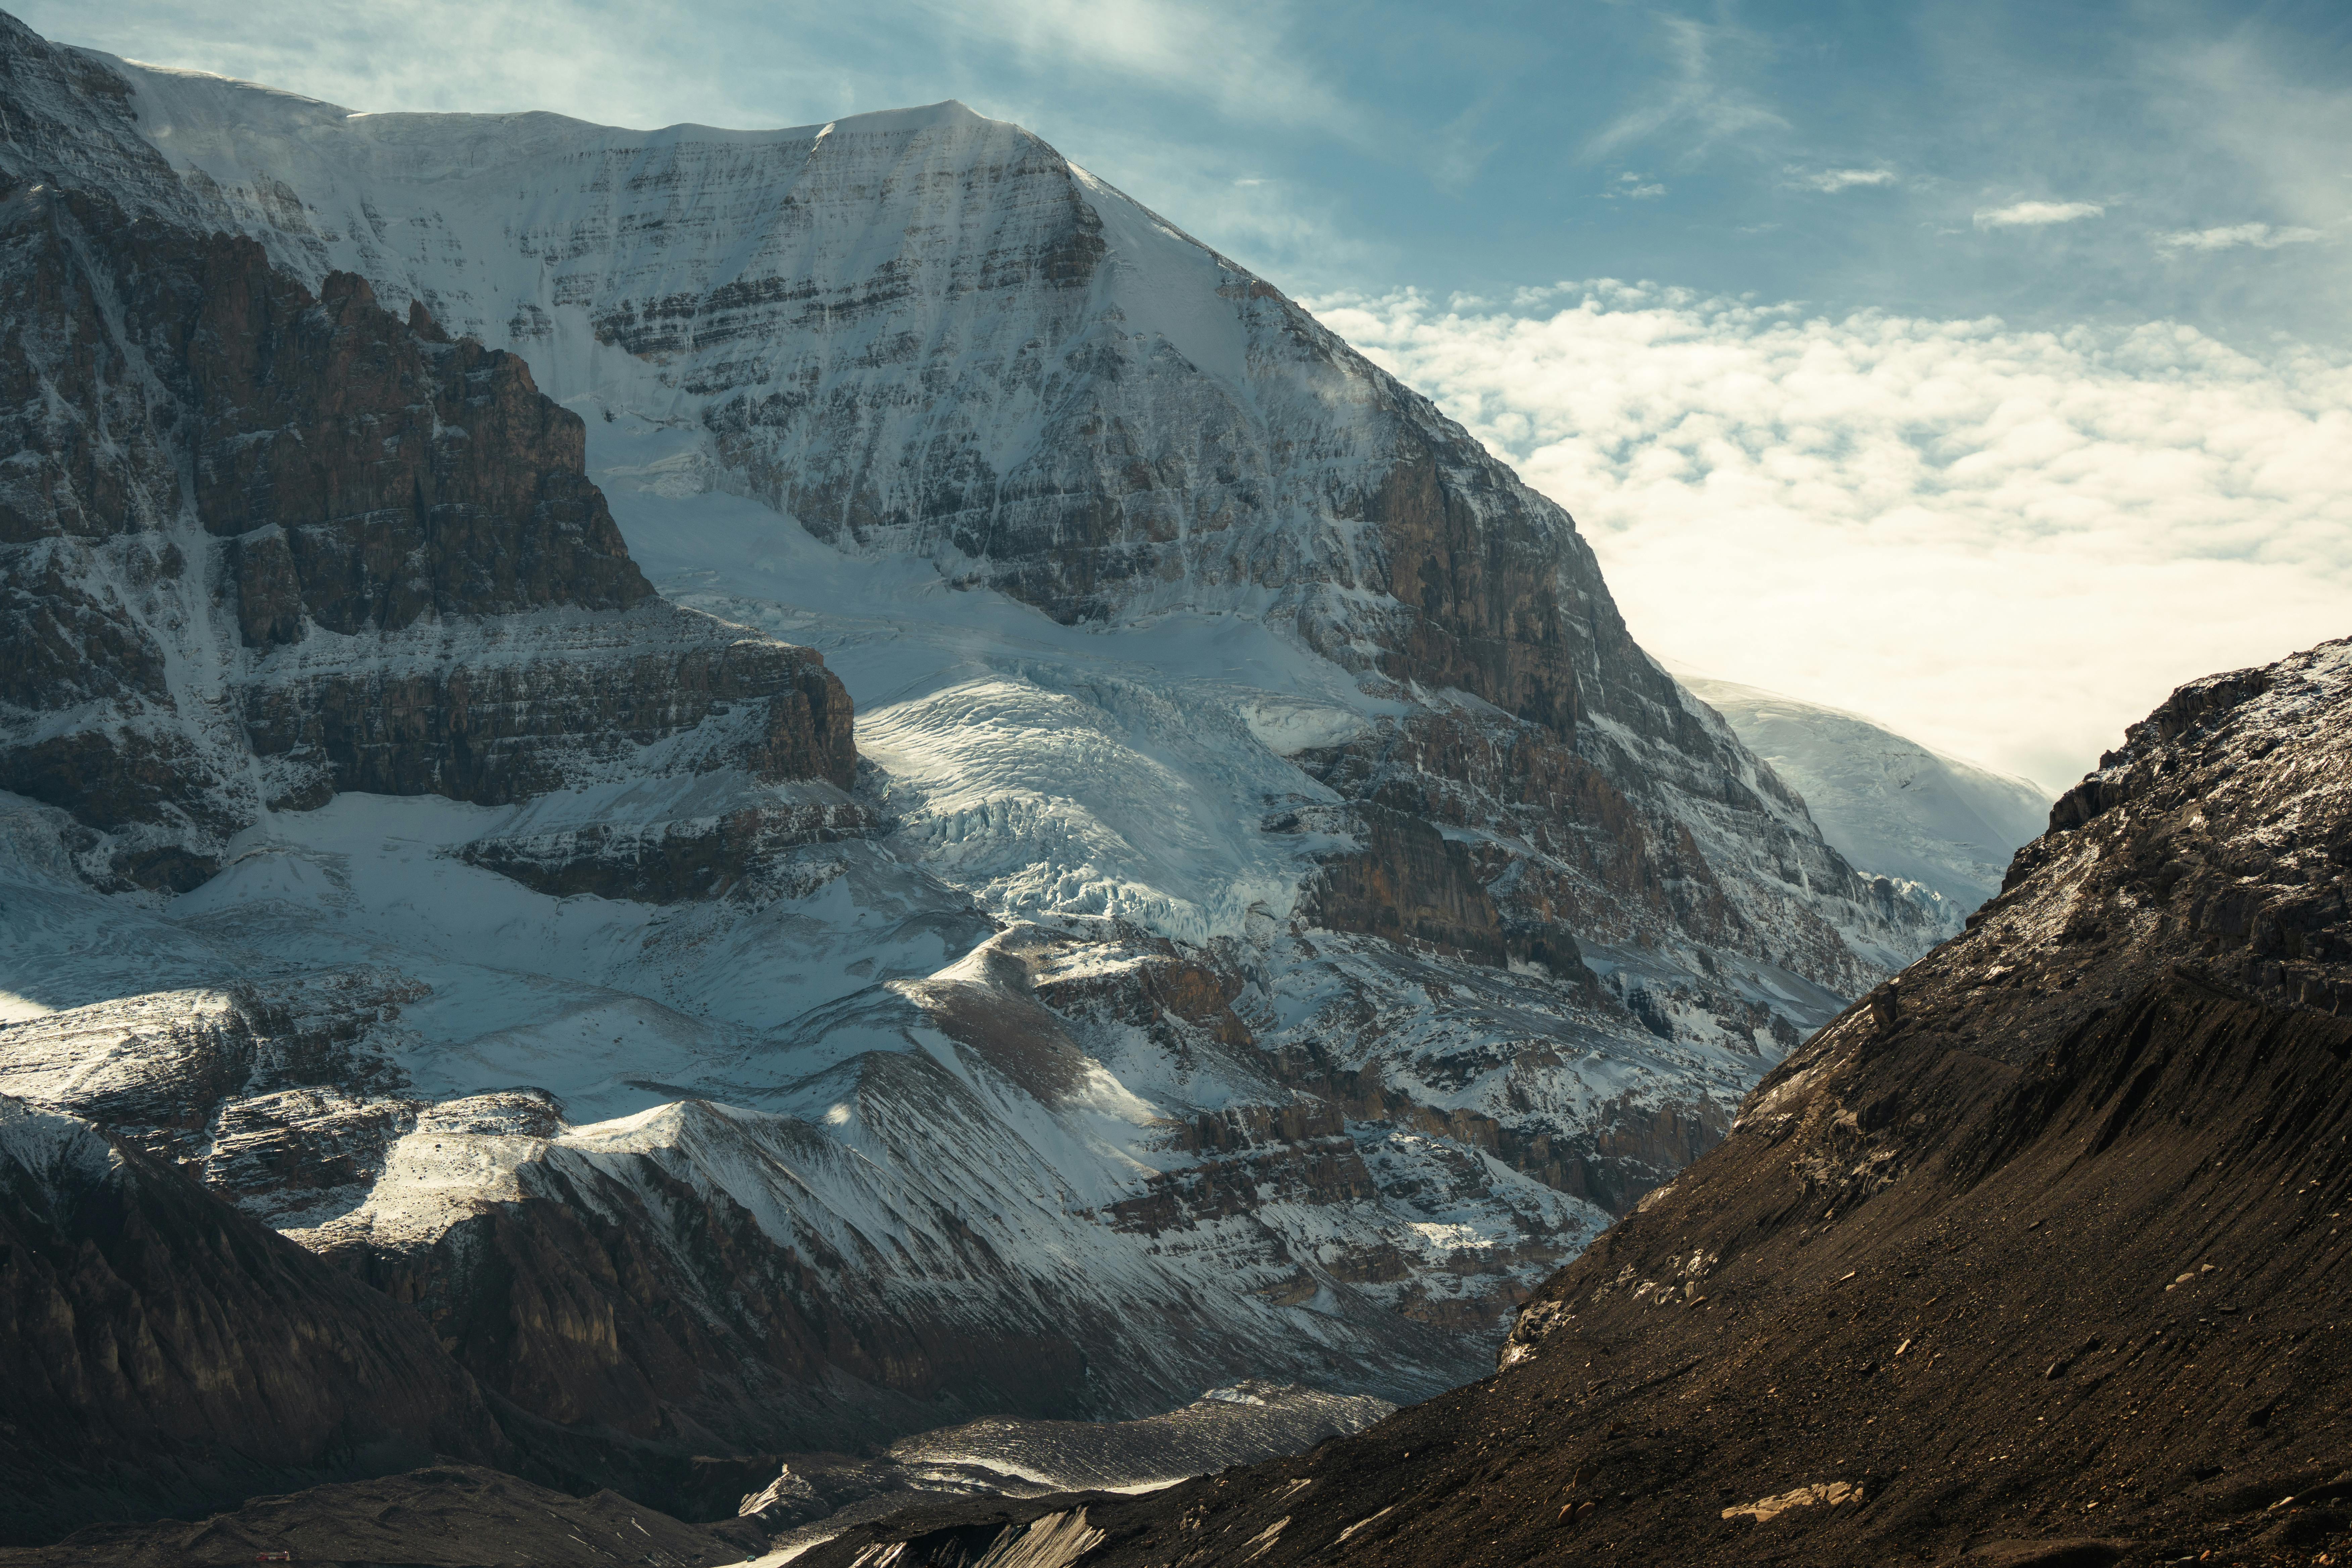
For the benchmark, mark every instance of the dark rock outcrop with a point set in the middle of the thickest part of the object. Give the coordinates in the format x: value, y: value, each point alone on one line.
x: 394, y: 533
x: 2036, y: 1256
x: 164, y: 1352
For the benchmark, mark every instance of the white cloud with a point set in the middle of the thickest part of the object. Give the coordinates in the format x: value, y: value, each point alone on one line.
x: 2034, y: 214
x: 2009, y: 544
x: 1634, y: 187
x: 1836, y: 180
x: 2260, y: 236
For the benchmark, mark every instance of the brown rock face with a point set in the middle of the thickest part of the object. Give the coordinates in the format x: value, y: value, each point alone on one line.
x: 1408, y: 883
x: 161, y: 1352
x: 2036, y: 1256
x: 1565, y: 845
x: 498, y: 734
x: 1480, y: 571
x: 431, y: 596
x: 1595, y: 867
x: 374, y: 472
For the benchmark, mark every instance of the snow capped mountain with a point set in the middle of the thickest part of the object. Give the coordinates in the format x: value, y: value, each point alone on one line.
x: 1267, y: 913
x: 1890, y: 805
x: 925, y: 334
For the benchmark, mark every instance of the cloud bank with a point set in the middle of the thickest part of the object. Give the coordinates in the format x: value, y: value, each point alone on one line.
x: 2007, y: 544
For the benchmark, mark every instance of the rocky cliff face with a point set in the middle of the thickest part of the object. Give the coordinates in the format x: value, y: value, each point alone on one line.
x: 886, y: 1248
x: 1191, y: 439
x: 263, y: 546
x: 2035, y: 1256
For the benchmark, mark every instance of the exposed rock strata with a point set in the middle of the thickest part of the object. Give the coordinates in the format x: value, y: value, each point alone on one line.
x: 1561, y: 919
x: 1547, y: 793
x: 391, y: 532
x: 931, y: 335
x: 2035, y: 1255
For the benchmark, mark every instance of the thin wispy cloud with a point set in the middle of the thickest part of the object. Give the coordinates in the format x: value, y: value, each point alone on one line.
x: 2037, y: 214
x: 1692, y: 105
x: 2234, y: 236
x: 1831, y: 181
x: 2009, y: 544
x: 2255, y: 91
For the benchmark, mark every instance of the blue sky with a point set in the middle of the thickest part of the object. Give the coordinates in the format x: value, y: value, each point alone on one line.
x: 2022, y: 326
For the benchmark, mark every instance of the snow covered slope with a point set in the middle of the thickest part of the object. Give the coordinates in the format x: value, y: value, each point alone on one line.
x: 921, y: 1201
x: 1889, y: 804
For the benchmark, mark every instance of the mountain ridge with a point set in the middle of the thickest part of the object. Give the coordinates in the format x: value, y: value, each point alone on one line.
x: 2034, y: 1257
x: 722, y: 314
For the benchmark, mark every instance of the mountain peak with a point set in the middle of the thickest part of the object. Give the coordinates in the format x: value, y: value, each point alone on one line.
x: 946, y: 114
